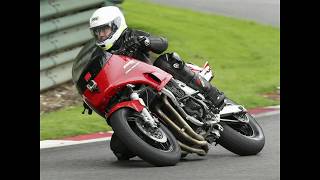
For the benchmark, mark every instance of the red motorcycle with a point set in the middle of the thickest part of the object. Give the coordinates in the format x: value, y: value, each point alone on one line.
x: 157, y: 117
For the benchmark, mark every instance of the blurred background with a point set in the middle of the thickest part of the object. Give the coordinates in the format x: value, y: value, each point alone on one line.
x: 63, y: 32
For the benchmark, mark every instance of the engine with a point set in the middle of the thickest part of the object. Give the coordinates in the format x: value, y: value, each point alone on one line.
x: 188, y: 116
x: 186, y: 97
x: 193, y: 108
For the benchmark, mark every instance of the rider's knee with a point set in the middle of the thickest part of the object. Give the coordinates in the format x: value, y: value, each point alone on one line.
x: 169, y: 61
x: 173, y: 64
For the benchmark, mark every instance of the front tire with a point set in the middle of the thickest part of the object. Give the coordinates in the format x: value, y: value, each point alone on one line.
x: 156, y: 153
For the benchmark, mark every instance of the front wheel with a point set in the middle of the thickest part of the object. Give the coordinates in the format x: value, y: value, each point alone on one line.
x: 242, y: 138
x: 156, y: 146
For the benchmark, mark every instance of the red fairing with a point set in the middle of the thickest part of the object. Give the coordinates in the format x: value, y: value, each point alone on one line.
x: 117, y: 73
x: 134, y: 104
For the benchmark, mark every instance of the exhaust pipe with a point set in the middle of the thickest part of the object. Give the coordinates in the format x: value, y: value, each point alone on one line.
x: 181, y: 120
x: 187, y: 133
x: 187, y: 148
x: 179, y: 130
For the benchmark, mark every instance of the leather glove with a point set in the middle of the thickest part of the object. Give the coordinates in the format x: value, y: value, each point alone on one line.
x: 144, y: 41
x: 131, y: 44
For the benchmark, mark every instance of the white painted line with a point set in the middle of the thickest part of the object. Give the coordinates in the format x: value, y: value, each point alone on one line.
x: 59, y: 143
x: 266, y: 114
x: 277, y: 107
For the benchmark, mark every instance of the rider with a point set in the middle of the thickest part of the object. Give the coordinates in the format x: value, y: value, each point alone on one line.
x: 111, y: 34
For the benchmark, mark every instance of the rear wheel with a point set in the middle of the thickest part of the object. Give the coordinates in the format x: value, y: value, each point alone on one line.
x: 155, y: 145
x: 242, y: 138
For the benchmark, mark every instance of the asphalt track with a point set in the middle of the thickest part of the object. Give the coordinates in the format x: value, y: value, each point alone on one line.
x: 262, y: 11
x: 93, y: 161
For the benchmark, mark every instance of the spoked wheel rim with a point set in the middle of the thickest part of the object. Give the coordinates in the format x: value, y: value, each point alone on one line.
x: 155, y: 137
x: 241, y: 127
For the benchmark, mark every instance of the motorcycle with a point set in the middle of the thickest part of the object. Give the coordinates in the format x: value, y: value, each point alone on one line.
x: 159, y: 118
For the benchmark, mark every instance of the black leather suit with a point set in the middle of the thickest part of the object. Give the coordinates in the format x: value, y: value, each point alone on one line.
x: 157, y: 45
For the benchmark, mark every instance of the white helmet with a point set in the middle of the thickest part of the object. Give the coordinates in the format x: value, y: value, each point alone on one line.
x: 108, y: 18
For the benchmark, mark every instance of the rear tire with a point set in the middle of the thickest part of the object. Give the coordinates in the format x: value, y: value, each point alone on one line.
x: 243, y: 144
x: 136, y: 143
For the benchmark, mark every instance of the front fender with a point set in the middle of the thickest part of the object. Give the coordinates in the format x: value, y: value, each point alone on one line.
x: 134, y: 104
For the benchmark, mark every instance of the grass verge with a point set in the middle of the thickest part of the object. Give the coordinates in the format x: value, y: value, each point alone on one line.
x: 70, y: 122
x: 244, y: 55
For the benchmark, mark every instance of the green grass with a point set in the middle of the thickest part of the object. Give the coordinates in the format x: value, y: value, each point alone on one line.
x: 70, y: 122
x: 245, y: 57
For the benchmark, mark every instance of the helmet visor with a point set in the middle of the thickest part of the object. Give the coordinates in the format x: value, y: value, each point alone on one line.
x: 102, y: 33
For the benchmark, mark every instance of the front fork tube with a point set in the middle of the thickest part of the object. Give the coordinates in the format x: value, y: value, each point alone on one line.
x: 145, y: 113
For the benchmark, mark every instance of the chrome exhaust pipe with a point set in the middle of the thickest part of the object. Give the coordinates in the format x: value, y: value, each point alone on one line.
x: 184, y: 132
x: 181, y: 111
x: 179, y: 130
x: 187, y: 148
x: 182, y: 121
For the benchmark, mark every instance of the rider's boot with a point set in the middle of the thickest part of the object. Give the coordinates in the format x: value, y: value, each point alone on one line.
x: 119, y: 149
x: 173, y: 64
